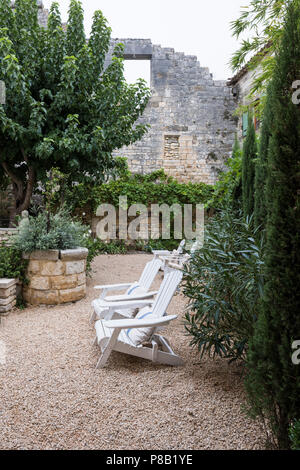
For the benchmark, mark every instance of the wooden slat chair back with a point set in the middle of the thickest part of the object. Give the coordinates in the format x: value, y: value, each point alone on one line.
x: 149, y: 273
x: 166, y: 291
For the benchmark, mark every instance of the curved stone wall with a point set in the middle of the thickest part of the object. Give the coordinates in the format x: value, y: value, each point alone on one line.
x: 56, y: 277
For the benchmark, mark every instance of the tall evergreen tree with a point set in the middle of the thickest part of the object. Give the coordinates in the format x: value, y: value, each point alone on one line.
x: 248, y: 168
x: 236, y: 193
x: 273, y: 381
x: 260, y: 207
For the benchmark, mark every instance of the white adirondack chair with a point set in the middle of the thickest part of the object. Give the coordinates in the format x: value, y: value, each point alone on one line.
x: 127, y: 307
x: 114, y: 334
x: 180, y: 260
x: 163, y: 254
x: 134, y: 290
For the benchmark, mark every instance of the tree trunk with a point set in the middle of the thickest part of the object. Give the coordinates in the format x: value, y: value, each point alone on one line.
x: 22, y: 191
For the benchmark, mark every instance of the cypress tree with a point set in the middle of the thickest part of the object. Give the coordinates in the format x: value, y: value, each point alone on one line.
x: 273, y: 381
x: 236, y: 196
x: 248, y: 168
x: 260, y: 207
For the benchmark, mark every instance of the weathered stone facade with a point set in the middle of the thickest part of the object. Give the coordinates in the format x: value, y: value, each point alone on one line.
x: 56, y: 277
x: 191, y: 116
x: 241, y: 86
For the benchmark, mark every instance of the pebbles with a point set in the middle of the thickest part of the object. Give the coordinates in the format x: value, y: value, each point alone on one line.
x: 52, y: 397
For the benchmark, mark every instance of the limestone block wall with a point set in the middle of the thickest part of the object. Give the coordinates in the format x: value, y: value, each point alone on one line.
x: 7, y: 295
x: 6, y: 235
x: 56, y: 277
x: 191, y: 116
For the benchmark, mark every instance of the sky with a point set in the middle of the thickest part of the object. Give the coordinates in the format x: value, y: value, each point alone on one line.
x: 195, y: 27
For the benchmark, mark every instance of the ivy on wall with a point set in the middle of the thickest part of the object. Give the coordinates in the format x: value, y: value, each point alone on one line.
x: 155, y: 188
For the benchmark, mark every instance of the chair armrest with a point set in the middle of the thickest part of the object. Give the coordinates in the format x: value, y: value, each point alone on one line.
x: 161, y: 252
x: 121, y: 298
x: 124, y: 304
x: 114, y: 286
x: 180, y: 267
x: 136, y: 323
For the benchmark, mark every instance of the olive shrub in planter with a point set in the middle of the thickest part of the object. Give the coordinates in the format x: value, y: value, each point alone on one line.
x: 57, y: 260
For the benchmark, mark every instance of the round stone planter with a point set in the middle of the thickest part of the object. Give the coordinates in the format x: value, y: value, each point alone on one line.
x: 55, y: 276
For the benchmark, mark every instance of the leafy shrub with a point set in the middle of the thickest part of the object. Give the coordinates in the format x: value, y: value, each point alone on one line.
x: 228, y: 188
x: 49, y: 232
x: 295, y: 435
x: 98, y: 247
x: 160, y: 244
x: 224, y: 283
x: 11, y: 263
x: 154, y: 188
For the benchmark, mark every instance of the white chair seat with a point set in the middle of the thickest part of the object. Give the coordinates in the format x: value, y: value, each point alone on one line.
x: 104, y: 334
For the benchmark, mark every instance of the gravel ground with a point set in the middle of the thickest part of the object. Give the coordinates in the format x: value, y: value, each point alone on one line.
x: 52, y: 397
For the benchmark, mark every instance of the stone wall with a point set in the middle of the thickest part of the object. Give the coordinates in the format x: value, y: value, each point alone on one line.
x: 6, y: 235
x: 56, y: 277
x: 7, y: 295
x: 241, y: 85
x: 191, y: 116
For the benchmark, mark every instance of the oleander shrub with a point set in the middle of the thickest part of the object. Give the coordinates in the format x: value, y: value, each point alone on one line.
x: 224, y: 283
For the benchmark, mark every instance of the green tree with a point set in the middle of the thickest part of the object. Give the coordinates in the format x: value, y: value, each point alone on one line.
x: 62, y: 108
x: 260, y: 206
x: 273, y: 381
x: 248, y: 168
x: 263, y: 21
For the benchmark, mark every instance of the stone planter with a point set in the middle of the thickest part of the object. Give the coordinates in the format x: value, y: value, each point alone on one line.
x: 7, y: 295
x: 56, y: 277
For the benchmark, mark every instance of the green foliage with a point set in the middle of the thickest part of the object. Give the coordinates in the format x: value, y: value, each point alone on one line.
x: 248, y: 169
x: 260, y: 206
x: 155, y: 188
x: 11, y: 263
x: 224, y: 282
x: 98, y: 247
x: 295, y: 435
x: 160, y: 244
x: 263, y: 20
x: 227, y: 190
x: 62, y: 109
x: 58, y: 232
x: 52, y: 187
x: 273, y: 381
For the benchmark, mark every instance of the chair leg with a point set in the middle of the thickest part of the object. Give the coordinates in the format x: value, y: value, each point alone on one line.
x: 108, y: 348
x: 92, y: 317
x: 154, y: 350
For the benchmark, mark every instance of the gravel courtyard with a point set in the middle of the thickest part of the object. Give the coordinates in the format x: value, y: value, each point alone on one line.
x: 52, y: 397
